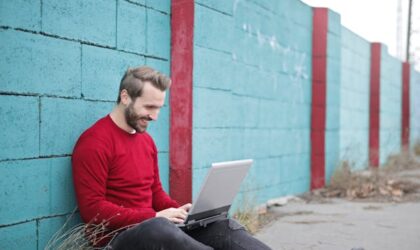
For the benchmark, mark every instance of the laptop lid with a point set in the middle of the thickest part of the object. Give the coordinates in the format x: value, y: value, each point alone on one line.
x: 219, y: 189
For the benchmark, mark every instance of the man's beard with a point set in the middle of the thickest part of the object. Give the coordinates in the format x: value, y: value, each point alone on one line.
x: 132, y: 119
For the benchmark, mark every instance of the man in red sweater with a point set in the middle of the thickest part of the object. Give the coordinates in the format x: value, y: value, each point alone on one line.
x: 116, y: 179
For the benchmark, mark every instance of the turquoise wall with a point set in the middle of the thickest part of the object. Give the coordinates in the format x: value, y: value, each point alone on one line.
x: 414, y: 107
x: 62, y: 62
x: 332, y: 127
x: 60, y: 69
x: 252, y: 93
x: 354, y: 106
x: 390, y: 106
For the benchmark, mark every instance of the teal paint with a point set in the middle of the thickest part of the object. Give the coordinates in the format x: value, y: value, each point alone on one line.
x: 354, y: 115
x: 102, y: 70
x: 252, y: 94
x: 21, y: 14
x: 59, y: 73
x: 159, y: 130
x: 38, y: 188
x: 35, y: 64
x: 19, y: 127
x: 67, y: 119
x: 21, y: 236
x: 157, y: 36
x: 160, y: 5
x: 216, y: 29
x: 390, y: 106
x: 332, y: 125
x: 81, y: 20
x: 50, y: 229
x: 131, y: 23
x: 414, y: 107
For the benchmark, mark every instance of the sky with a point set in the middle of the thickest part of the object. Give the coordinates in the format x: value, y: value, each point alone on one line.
x: 374, y: 20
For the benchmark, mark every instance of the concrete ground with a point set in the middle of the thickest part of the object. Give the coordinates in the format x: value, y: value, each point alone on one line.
x: 343, y: 224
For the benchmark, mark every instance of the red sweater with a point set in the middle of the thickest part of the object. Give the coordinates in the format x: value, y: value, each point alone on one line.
x: 116, y: 176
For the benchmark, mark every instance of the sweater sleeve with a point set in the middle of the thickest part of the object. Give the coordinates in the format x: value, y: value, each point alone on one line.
x: 161, y: 199
x: 90, y: 162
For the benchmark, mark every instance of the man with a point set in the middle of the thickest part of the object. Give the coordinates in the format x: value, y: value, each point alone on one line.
x: 116, y: 178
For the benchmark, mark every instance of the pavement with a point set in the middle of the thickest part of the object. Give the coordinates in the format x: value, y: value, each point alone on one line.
x: 344, y: 224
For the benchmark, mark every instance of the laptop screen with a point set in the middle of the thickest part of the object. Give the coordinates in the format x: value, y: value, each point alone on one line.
x: 220, y: 187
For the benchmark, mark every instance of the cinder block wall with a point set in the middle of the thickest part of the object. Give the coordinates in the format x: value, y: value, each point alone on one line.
x: 252, y: 91
x: 390, y: 106
x: 354, y: 106
x: 332, y: 127
x: 60, y: 69
x: 414, y: 107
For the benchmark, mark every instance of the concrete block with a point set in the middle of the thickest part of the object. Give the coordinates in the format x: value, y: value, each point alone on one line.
x: 51, y: 229
x: 213, y: 29
x: 21, y: 14
x: 333, y: 46
x: 160, y: 65
x: 102, y: 71
x: 19, y: 129
x: 67, y: 119
x: 334, y: 22
x: 21, y: 236
x: 131, y: 27
x: 212, y: 69
x: 33, y: 63
x: 158, y: 34
x: 159, y: 130
x: 161, y: 5
x: 210, y: 145
x: 222, y: 6
x: 81, y: 20
x: 38, y: 188
x: 141, y: 2
x: 210, y: 108
x: 163, y: 158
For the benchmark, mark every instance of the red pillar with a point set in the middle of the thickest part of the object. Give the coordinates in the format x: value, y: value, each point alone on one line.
x: 405, y: 125
x: 180, y: 145
x: 374, y: 104
x: 319, y: 94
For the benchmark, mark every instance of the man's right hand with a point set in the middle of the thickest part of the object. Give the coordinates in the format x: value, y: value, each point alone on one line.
x: 176, y: 215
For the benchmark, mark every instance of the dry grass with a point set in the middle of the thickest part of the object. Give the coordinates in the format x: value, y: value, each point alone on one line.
x: 379, y: 184
x: 416, y: 148
x: 80, y: 237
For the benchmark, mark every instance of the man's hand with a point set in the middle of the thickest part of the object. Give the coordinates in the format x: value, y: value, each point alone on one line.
x: 176, y: 215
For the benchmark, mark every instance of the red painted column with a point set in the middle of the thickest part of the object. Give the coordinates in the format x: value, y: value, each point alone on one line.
x: 405, y: 125
x: 319, y: 94
x: 374, y: 103
x: 180, y: 145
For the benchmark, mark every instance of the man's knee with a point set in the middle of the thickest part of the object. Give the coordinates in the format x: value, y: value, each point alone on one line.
x: 158, y: 228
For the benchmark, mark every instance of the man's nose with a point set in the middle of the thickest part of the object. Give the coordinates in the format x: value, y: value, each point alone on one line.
x: 154, y: 115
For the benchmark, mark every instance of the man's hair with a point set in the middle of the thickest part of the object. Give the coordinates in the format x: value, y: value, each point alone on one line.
x: 134, y: 79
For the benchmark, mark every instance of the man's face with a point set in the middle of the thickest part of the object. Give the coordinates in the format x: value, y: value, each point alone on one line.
x: 145, y: 108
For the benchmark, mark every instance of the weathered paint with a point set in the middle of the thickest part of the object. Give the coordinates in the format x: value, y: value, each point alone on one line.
x: 319, y: 91
x: 374, y: 104
x: 405, y: 121
x: 180, y: 149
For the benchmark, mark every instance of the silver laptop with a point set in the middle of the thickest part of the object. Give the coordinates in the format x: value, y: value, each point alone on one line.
x: 217, y: 193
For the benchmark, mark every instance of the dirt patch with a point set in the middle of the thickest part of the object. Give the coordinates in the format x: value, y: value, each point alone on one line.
x: 392, y: 182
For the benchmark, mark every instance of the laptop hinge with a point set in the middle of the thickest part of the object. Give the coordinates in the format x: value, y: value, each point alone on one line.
x: 212, y: 219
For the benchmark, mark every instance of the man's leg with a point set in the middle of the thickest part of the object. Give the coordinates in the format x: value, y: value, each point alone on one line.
x: 156, y: 233
x: 228, y: 235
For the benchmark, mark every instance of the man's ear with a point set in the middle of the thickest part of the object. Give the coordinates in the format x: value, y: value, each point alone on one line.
x: 125, y: 98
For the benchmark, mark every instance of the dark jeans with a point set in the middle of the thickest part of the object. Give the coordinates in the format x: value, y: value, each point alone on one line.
x: 160, y: 233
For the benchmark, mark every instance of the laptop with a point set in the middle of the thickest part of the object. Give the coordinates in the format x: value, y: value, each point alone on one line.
x: 217, y: 193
